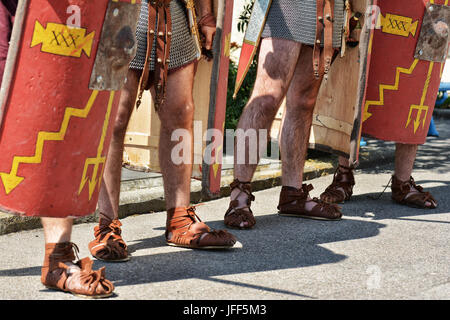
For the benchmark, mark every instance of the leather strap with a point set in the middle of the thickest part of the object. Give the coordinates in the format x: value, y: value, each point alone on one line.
x: 328, y: 35
x: 318, y: 40
x: 159, y: 26
x: 324, y: 29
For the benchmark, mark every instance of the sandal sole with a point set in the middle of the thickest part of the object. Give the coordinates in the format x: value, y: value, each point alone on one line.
x: 414, y: 205
x: 204, y: 248
x: 120, y: 260
x: 102, y: 296
x: 296, y: 215
x: 239, y: 228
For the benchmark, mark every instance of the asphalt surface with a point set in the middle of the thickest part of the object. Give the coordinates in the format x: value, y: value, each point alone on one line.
x: 380, y: 250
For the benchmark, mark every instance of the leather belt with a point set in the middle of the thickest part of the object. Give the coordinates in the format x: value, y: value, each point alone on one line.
x: 159, y: 26
x: 324, y: 28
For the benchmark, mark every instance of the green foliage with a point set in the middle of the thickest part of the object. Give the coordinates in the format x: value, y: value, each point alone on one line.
x: 235, y: 106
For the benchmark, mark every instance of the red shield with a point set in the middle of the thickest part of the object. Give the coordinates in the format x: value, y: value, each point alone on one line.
x: 401, y: 88
x: 55, y: 130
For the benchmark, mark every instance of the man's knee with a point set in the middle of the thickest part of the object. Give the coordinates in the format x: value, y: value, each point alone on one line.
x: 303, y: 101
x: 260, y: 111
x: 179, y: 114
x: 121, y: 124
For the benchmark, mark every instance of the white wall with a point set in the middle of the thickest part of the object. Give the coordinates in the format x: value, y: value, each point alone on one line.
x: 446, y: 74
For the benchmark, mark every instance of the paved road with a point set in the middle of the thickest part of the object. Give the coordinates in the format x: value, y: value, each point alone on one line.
x: 380, y: 250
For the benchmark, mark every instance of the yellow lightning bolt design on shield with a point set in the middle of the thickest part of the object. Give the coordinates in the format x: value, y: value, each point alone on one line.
x: 384, y: 87
x: 11, y: 180
x: 99, y: 159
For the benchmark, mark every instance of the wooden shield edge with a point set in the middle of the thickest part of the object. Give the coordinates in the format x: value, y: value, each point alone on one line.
x: 211, y: 173
x: 365, y: 46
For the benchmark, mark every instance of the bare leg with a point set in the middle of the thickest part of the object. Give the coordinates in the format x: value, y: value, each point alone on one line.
x: 108, y: 244
x: 108, y: 202
x: 277, y: 61
x: 57, y: 230
x: 405, y: 155
x: 177, y: 112
x: 300, y: 101
x: 343, y: 162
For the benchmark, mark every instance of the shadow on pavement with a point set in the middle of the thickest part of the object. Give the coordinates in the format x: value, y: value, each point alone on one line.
x: 276, y: 243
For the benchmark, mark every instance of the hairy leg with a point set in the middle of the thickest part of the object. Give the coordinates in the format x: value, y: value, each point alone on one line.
x: 276, y: 65
x: 300, y: 101
x: 177, y: 112
x: 405, y: 155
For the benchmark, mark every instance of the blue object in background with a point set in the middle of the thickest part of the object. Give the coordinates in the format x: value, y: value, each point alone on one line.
x: 362, y: 143
x: 443, y: 88
x: 432, y: 132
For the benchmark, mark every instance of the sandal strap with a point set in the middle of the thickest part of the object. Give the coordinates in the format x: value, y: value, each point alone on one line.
x: 106, y: 231
x: 187, y: 229
x: 291, y: 194
x: 57, y: 252
x: 179, y: 222
x: 339, y: 175
x: 243, y: 186
x: 341, y: 188
x: 181, y: 218
x: 84, y: 281
x: 108, y: 243
x: 401, y: 190
x: 295, y: 199
x: 234, y: 216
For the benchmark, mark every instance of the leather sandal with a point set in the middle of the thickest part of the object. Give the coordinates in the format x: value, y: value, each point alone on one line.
x: 234, y: 217
x: 61, y: 273
x: 185, y: 229
x: 401, y: 190
x: 108, y: 244
x: 292, y: 203
x: 341, y: 189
